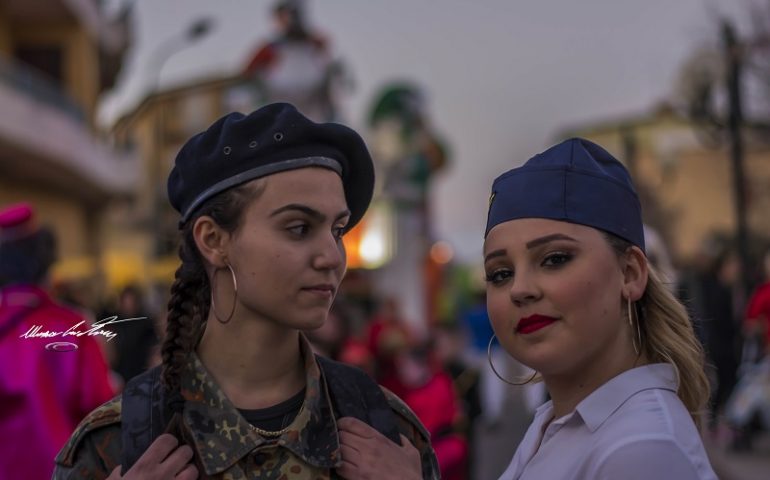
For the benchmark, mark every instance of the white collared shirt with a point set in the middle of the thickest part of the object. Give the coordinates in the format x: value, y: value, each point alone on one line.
x: 633, y: 427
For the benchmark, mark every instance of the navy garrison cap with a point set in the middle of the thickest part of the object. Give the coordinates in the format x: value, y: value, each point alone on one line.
x: 238, y: 148
x: 575, y: 181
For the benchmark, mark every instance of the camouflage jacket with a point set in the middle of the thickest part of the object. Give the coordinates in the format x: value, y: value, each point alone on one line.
x: 225, y: 446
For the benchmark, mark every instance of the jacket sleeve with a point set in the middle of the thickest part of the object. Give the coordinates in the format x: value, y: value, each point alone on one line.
x: 411, y: 427
x: 93, y: 450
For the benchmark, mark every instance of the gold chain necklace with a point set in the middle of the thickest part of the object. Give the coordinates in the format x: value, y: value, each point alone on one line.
x: 277, y: 433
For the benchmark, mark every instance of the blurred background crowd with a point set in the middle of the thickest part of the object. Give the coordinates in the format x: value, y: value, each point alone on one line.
x: 411, y: 311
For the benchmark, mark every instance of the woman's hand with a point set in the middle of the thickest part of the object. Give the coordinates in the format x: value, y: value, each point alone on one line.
x: 163, y: 460
x: 369, y: 455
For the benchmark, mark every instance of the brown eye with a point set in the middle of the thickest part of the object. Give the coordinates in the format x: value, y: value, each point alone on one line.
x: 498, y: 276
x: 299, y: 230
x: 556, y: 259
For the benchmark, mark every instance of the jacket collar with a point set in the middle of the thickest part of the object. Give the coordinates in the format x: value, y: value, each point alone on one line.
x: 222, y: 436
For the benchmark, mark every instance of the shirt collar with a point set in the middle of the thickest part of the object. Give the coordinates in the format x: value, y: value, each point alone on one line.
x: 222, y: 436
x: 604, y: 401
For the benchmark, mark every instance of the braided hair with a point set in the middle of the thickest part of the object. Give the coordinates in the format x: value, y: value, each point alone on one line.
x: 190, y: 300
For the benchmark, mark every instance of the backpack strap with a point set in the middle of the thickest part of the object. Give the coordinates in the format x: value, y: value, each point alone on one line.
x: 355, y: 394
x: 142, y: 415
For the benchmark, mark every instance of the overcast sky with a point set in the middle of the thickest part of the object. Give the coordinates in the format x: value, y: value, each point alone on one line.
x: 502, y: 77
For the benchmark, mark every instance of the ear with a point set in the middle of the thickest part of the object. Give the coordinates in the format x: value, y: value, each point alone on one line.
x: 635, y: 273
x: 212, y: 241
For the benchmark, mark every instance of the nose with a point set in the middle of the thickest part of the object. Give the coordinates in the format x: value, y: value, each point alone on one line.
x: 524, y: 289
x: 330, y: 254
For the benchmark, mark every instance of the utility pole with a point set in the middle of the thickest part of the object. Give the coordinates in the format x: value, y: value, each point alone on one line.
x: 734, y: 62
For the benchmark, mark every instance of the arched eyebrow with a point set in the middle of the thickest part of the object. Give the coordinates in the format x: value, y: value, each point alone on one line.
x: 309, y: 211
x: 494, y: 254
x: 548, y: 238
x: 531, y: 244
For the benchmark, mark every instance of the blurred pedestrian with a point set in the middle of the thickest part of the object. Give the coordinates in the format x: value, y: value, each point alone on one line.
x: 335, y: 339
x: 756, y: 324
x: 44, y: 393
x: 450, y: 343
x: 137, y: 340
x: 475, y: 320
x: 719, y: 307
x: 387, y: 335
x: 429, y: 392
x: 571, y: 295
x: 265, y: 200
x: 747, y: 411
x: 748, y: 408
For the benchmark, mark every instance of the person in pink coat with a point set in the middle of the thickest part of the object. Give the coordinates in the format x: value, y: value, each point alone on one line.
x: 52, y: 368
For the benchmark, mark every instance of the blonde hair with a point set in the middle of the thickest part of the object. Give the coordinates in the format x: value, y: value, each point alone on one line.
x: 667, y: 336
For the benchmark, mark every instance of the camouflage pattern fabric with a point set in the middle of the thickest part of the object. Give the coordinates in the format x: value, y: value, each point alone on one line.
x: 225, y: 446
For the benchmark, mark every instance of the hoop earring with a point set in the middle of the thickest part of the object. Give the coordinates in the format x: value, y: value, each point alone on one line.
x: 213, y: 290
x: 636, y: 340
x: 494, y: 370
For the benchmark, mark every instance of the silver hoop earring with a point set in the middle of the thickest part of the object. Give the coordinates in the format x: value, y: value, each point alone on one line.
x: 636, y: 340
x: 494, y: 370
x: 213, y: 294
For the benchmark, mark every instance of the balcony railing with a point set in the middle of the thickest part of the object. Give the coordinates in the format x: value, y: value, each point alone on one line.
x: 28, y: 82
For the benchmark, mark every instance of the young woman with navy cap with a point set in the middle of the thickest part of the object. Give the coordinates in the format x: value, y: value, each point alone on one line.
x: 264, y: 201
x: 571, y: 295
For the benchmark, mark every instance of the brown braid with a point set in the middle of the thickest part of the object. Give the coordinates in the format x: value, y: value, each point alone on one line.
x: 188, y: 307
x: 187, y: 311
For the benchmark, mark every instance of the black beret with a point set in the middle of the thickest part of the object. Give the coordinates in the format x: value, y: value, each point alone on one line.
x: 239, y: 148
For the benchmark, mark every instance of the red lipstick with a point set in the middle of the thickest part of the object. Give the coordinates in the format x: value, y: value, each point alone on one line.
x: 533, y: 323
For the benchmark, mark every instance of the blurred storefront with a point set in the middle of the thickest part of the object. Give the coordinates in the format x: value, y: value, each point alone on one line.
x: 56, y: 58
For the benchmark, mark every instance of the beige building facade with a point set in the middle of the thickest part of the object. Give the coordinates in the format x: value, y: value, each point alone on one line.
x: 686, y: 182
x: 56, y: 58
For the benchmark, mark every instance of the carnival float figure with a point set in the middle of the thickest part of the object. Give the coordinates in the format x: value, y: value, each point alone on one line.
x: 296, y: 65
x: 407, y: 154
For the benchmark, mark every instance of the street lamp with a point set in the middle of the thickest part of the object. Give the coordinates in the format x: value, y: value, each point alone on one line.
x: 163, y: 52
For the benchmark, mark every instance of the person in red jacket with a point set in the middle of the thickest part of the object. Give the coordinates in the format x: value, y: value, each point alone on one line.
x: 49, y: 379
x: 757, y: 322
x: 429, y: 391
